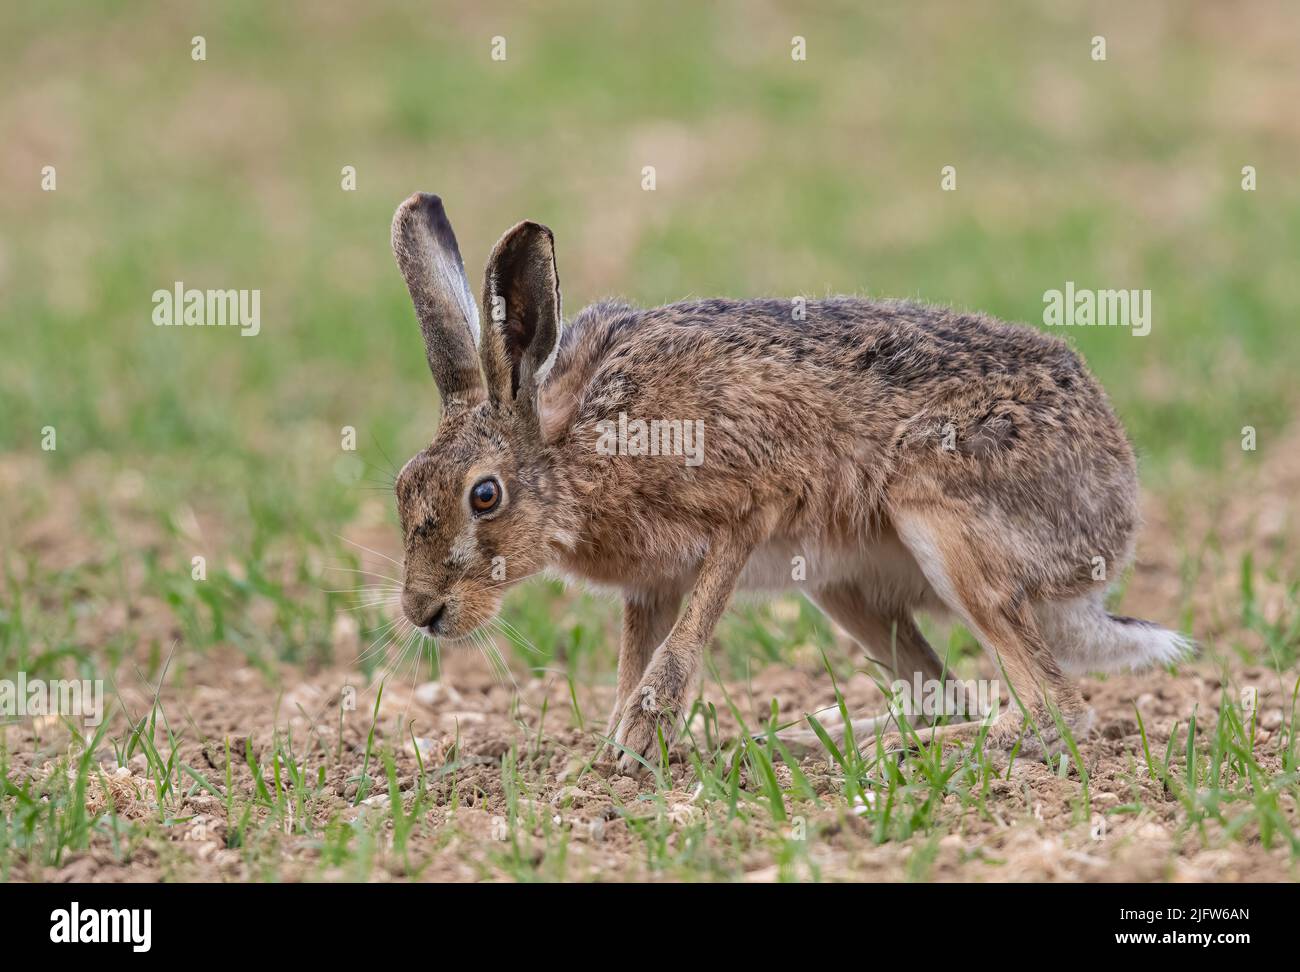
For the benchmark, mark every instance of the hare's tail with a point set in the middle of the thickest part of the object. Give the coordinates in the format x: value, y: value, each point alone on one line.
x: 1085, y: 637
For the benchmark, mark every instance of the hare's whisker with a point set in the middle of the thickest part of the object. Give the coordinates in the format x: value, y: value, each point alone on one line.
x: 362, y: 546
x: 396, y: 631
x: 515, y: 635
x: 357, y: 570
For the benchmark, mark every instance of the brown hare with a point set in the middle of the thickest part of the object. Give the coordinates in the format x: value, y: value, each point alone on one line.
x: 914, y: 457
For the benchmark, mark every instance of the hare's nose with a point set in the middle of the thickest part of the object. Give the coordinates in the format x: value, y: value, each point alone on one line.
x: 422, y: 610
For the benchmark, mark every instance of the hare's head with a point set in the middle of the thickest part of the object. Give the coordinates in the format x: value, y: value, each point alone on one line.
x: 473, y: 504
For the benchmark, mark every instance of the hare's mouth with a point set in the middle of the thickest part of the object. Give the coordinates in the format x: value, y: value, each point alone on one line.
x: 434, y: 623
x: 431, y: 621
x: 450, y: 623
x: 452, y: 613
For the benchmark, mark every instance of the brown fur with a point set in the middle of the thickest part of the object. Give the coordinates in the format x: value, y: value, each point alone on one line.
x: 916, y: 457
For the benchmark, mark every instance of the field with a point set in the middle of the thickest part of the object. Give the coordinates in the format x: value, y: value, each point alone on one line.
x: 182, y: 518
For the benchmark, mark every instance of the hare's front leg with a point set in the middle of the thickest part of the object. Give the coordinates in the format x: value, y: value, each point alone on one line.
x: 648, y: 616
x: 657, y: 701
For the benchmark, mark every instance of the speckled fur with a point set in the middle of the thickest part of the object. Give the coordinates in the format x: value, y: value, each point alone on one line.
x: 915, y: 457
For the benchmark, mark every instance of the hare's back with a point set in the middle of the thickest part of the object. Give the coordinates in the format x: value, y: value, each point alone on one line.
x: 913, y: 349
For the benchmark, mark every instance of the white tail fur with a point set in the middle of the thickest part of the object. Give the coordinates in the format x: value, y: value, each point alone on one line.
x: 1084, y: 637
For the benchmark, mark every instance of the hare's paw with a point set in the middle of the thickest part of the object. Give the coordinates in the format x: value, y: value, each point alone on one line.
x: 1044, y: 735
x: 1039, y: 737
x: 964, y: 735
x: 645, y: 716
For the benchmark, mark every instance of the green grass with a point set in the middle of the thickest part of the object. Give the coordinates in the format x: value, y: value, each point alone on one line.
x: 774, y: 177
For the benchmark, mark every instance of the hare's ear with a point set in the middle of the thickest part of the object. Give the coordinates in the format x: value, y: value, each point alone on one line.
x: 521, y: 299
x: 430, y: 262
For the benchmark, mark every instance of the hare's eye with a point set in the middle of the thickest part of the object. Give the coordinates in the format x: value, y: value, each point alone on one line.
x: 485, y: 495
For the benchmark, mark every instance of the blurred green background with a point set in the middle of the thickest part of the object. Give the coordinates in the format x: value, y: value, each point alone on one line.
x: 774, y: 177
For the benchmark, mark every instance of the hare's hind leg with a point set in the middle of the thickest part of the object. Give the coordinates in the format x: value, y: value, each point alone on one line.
x: 976, y: 569
x: 890, y: 638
